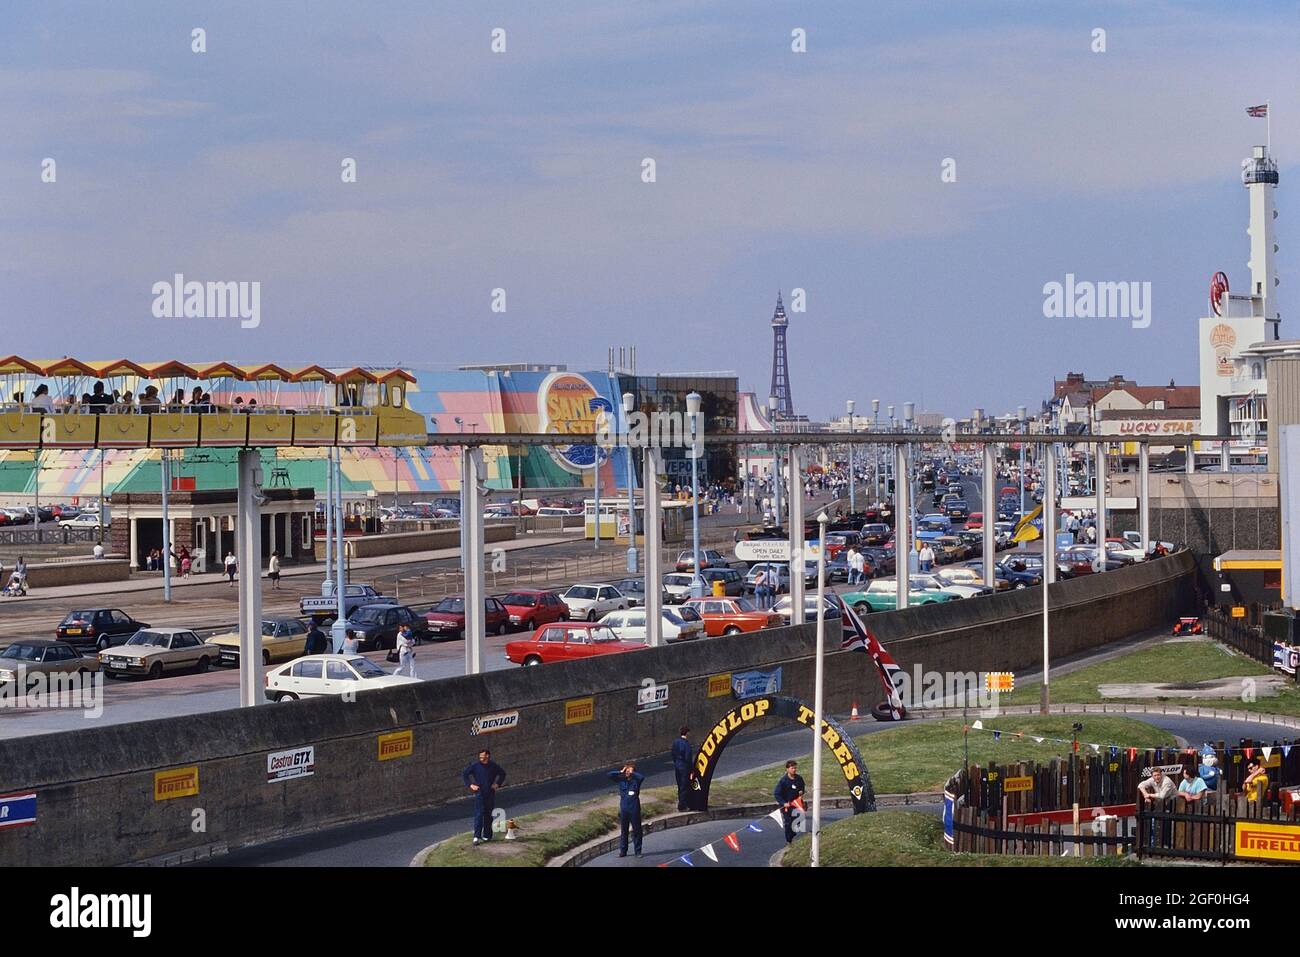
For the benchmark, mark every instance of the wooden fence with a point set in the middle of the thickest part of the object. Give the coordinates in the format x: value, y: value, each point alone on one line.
x: 1204, y: 830
x: 1238, y: 633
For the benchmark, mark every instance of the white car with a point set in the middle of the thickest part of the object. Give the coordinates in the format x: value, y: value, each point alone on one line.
x: 1135, y: 540
x: 832, y: 611
x: 630, y: 625
x: 84, y: 520
x: 592, y: 602
x: 1132, y: 552
x: 677, y: 585
x: 943, y: 583
x: 318, y: 675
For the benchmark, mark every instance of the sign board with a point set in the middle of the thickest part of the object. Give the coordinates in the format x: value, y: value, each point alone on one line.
x: 487, y: 723
x: 579, y: 710
x: 1238, y: 611
x: 1022, y: 783
x: 651, y: 697
x: 1268, y: 842
x: 1003, y: 682
x: 747, y: 684
x: 294, y: 763
x: 178, y: 782
x: 764, y: 550
x: 719, y: 685
x: 398, y: 744
x: 17, y: 809
x: 1174, y: 771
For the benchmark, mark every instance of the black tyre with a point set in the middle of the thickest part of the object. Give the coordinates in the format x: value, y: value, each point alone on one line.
x: 203, y: 665
x: 103, y: 644
x: 266, y: 657
x: 862, y: 608
x: 156, y: 670
x: 733, y: 630
x: 591, y: 615
x: 532, y: 661
x: 1020, y: 585
x: 286, y: 696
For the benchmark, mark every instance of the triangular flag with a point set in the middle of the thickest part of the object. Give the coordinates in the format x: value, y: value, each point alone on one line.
x: 1286, y: 750
x: 1096, y: 748
x: 1114, y: 751
x: 1249, y: 752
x: 1037, y: 740
x: 686, y: 859
x: 776, y: 815
x: 1132, y: 754
x: 664, y: 864
x: 756, y: 829
x: 997, y: 735
x: 978, y: 725
x: 710, y: 853
x: 1268, y: 753
x: 733, y: 842
x: 798, y: 802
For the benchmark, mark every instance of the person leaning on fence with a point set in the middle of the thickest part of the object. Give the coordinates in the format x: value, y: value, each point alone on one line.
x: 1256, y: 783
x: 1158, y: 787
x: 1192, y: 788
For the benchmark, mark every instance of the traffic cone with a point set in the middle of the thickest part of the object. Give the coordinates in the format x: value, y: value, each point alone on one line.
x: 853, y: 715
x: 512, y: 830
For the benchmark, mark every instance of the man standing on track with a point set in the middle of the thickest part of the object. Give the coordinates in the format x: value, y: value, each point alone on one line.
x: 682, y: 753
x: 483, y: 777
x: 629, y: 806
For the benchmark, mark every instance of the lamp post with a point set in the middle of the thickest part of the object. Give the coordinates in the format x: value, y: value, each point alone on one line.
x: 693, y: 410
x: 817, y: 692
x: 890, y: 462
x: 629, y: 404
x: 875, y: 449
x: 914, y: 555
x: 1023, y: 413
x: 776, y: 463
x: 852, y: 477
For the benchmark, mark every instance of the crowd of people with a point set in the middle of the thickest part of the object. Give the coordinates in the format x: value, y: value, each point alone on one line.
x: 100, y: 400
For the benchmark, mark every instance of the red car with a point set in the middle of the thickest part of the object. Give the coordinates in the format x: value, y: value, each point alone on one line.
x: 1188, y: 626
x: 733, y: 616
x: 447, y: 618
x: 529, y: 608
x: 568, y: 641
x: 974, y: 521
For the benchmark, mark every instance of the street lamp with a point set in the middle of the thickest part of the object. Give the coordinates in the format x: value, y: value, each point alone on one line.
x: 818, y: 680
x: 776, y: 463
x: 693, y: 410
x: 914, y: 554
x: 875, y: 455
x: 1023, y: 413
x: 852, y: 478
x: 629, y: 404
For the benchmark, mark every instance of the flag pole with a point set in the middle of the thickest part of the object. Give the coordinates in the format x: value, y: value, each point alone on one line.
x: 1268, y: 127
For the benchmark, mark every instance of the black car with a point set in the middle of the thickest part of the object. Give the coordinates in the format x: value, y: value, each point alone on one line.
x: 1020, y: 572
x: 837, y: 569
x: 876, y: 533
x: 957, y: 509
x: 376, y: 626
x: 633, y: 589
x: 100, y: 627
x: 881, y: 560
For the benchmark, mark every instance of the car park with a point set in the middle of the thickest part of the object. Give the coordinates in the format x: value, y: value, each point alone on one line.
x: 282, y: 640
x: 733, y: 616
x: 630, y: 625
x: 153, y: 651
x: 26, y: 659
x: 593, y: 602
x: 322, y: 675
x: 528, y: 608
x: 568, y: 641
x: 97, y: 627
x: 446, y: 619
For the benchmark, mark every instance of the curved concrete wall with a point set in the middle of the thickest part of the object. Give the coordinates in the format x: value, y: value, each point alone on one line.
x: 96, y: 801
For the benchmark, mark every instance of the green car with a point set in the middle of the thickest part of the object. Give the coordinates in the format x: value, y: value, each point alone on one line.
x: 882, y: 595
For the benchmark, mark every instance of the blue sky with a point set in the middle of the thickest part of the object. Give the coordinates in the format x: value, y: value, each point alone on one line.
x: 522, y: 170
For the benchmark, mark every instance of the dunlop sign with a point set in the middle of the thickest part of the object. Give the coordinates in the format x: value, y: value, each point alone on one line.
x: 579, y: 710
x: 836, y: 739
x: 502, y: 721
x: 176, y: 783
x: 398, y: 744
x: 1269, y: 842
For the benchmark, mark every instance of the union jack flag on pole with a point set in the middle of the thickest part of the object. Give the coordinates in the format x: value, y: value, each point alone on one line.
x: 1258, y: 111
x: 858, y: 638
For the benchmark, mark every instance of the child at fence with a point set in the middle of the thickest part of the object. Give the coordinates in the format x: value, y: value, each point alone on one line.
x: 1256, y: 783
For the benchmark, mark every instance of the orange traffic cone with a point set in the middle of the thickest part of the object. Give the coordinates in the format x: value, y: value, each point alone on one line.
x: 853, y: 715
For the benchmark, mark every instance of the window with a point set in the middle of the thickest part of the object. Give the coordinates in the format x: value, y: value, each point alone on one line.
x: 614, y: 621
x: 307, y: 669
x: 553, y: 634
x: 187, y: 640
x: 338, y: 671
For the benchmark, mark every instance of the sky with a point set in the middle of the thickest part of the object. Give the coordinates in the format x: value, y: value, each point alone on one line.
x: 523, y: 171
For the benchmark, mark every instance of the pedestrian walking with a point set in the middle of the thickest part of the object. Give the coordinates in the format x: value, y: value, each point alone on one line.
x: 629, y: 806
x: 351, y: 644
x: 682, y: 754
x: 273, y: 570
x: 762, y: 590
x: 789, y: 795
x: 483, y: 777
x: 317, y: 643
x: 926, y: 557
x: 406, y: 651
x: 231, y: 567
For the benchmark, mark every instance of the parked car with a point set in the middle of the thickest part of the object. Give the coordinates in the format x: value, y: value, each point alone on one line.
x: 975, y: 520
x: 876, y: 533
x: 831, y: 607
x: 282, y: 640
x: 677, y: 586
x: 956, y: 509
x: 568, y: 641
x: 733, y: 616
x: 1023, y: 571
x: 882, y: 595
x: 949, y: 549
x: 98, y: 627
x: 709, y: 558
x: 941, y: 582
x: 733, y: 582
x: 630, y: 625
x: 376, y: 626
x: 152, y: 651
x: 880, y: 559
x: 529, y: 608
x: 1135, y: 539
x: 26, y: 659
x: 82, y: 520
x: 321, y: 607
x: 447, y: 618
x: 778, y: 569
x: 593, y: 601
x: 1122, y: 548
x: 1080, y: 560
x: 319, y: 675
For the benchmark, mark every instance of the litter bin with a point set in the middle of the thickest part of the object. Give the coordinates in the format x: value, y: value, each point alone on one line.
x: 719, y: 588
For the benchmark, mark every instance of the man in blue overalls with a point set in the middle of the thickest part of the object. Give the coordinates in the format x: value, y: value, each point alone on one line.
x: 483, y: 777
x: 682, y: 754
x: 629, y: 806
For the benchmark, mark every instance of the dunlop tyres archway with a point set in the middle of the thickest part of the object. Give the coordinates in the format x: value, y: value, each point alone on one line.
x: 836, y: 739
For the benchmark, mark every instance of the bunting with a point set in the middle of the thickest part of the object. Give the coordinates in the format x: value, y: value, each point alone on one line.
x: 1160, y: 750
x: 733, y: 842
x: 710, y: 853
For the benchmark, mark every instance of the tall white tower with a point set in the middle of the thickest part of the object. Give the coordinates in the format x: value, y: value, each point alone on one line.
x: 1259, y: 175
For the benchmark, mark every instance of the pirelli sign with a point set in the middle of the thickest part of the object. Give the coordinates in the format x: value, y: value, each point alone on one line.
x: 176, y: 783
x: 1268, y: 842
x: 398, y: 744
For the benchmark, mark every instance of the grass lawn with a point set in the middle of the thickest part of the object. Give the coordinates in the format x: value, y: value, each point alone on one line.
x: 912, y: 839
x: 1172, y: 662
x: 915, y: 756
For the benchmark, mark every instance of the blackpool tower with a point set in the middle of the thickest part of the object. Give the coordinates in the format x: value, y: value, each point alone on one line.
x: 780, y: 367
